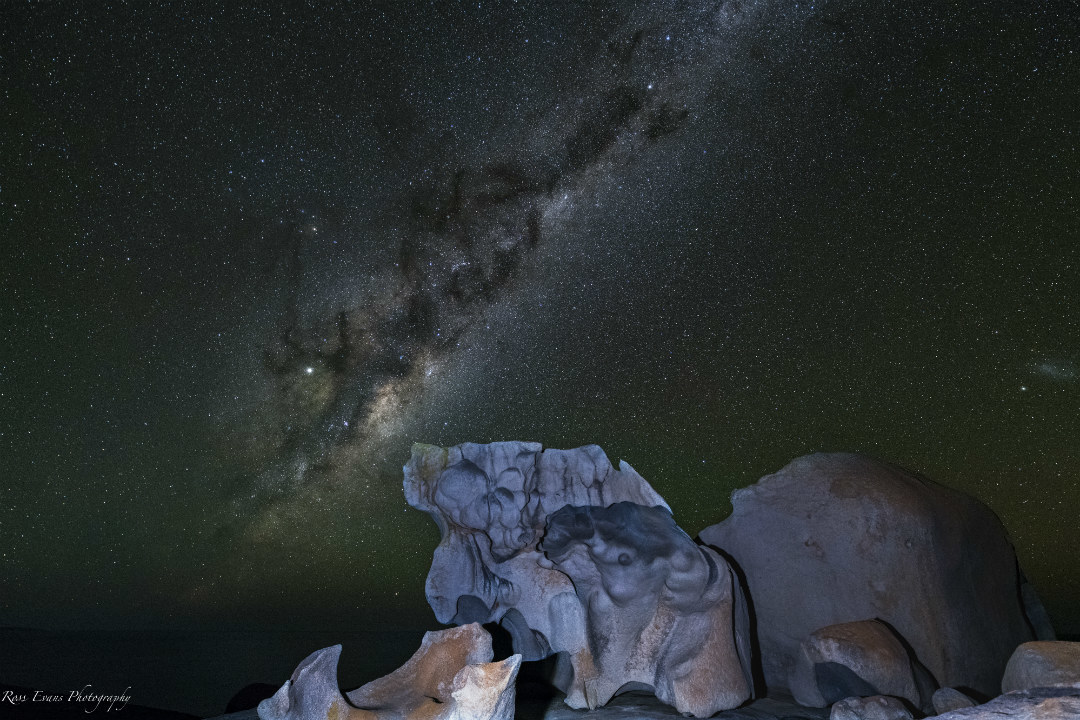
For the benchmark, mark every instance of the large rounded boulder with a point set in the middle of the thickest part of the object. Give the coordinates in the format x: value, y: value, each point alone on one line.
x: 835, y: 538
x: 1042, y: 664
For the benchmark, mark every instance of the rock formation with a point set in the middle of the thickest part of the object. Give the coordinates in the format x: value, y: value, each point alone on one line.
x: 623, y: 596
x: 856, y: 659
x: 835, y: 538
x: 1041, y: 664
x: 451, y: 677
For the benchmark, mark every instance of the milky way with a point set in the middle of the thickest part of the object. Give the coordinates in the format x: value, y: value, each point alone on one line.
x: 343, y: 383
x: 744, y: 117
x: 252, y: 255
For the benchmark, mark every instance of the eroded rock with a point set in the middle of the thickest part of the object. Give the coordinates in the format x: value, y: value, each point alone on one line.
x: 312, y: 692
x: 1042, y: 664
x: 494, y: 503
x: 834, y: 538
x: 658, y: 607
x: 451, y: 677
x: 431, y: 672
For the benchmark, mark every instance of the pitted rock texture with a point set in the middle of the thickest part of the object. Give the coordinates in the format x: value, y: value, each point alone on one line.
x: 658, y: 607
x: 451, y: 677
x: 835, y: 538
x: 493, y: 504
x: 856, y: 659
x: 1042, y: 664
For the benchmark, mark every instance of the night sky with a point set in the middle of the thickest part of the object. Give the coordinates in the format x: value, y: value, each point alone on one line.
x: 250, y: 255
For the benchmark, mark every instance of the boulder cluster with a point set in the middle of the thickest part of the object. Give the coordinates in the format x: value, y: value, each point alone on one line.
x: 839, y: 581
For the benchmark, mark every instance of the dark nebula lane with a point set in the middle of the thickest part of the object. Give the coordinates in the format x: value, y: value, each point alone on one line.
x: 464, y: 242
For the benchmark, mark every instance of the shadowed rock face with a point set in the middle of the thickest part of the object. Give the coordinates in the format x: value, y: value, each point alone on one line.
x: 611, y: 545
x: 836, y: 538
x: 856, y: 659
x: 451, y: 677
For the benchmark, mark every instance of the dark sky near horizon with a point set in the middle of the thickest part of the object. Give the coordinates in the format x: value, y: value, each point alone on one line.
x: 250, y: 255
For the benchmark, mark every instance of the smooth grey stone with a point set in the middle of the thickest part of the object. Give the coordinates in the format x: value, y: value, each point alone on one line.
x: 949, y: 699
x: 1042, y: 663
x: 835, y: 537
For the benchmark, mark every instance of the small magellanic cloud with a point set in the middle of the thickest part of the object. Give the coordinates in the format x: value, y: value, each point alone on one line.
x: 1056, y: 370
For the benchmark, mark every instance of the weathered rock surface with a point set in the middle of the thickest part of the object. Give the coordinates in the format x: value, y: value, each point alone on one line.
x: 949, y: 699
x: 312, y: 691
x: 451, y: 677
x: 834, y: 538
x: 856, y: 659
x: 875, y: 707
x: 1042, y: 664
x: 432, y: 671
x: 1061, y: 702
x: 615, y: 606
x: 658, y: 607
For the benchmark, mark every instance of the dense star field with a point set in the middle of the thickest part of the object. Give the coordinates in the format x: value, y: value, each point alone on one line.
x: 251, y: 255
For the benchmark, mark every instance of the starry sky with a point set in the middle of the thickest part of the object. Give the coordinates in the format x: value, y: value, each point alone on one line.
x: 250, y: 255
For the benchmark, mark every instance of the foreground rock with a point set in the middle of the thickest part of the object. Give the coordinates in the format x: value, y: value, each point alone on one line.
x: 949, y: 699
x: 857, y: 659
x: 835, y: 538
x: 449, y: 678
x: 1042, y: 664
x: 1048, y: 703
x: 623, y: 598
x: 875, y: 707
